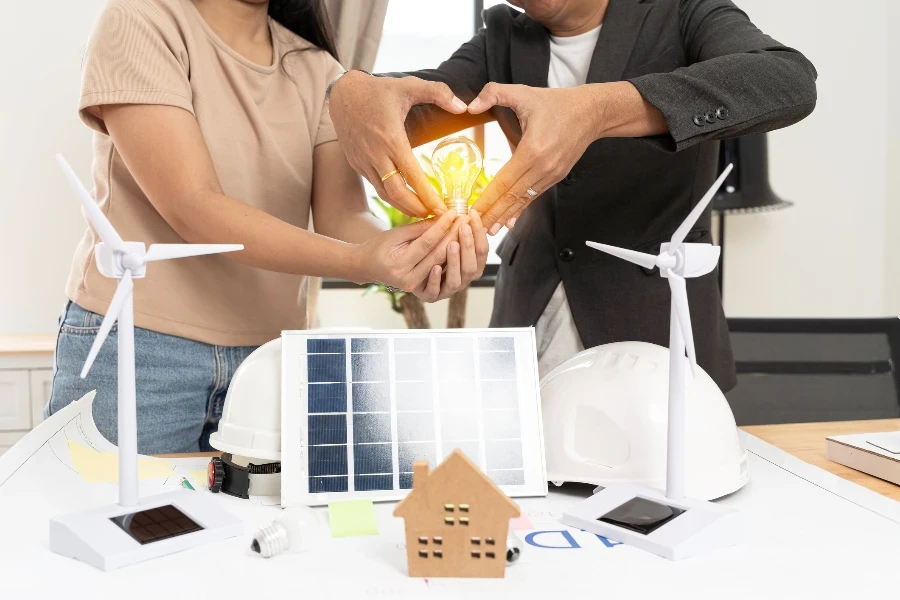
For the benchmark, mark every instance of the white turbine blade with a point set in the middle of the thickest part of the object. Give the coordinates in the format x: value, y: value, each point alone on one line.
x: 648, y: 261
x: 680, y: 302
x: 104, y: 228
x: 685, y: 227
x: 167, y: 251
x: 126, y: 285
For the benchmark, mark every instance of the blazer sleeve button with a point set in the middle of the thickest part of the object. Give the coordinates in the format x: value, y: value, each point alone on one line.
x: 711, y: 117
x: 698, y: 120
x: 721, y: 113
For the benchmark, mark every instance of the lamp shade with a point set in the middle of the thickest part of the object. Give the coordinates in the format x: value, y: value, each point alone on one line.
x: 747, y: 188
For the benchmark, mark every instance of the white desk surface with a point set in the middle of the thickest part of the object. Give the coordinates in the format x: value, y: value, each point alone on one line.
x: 809, y: 535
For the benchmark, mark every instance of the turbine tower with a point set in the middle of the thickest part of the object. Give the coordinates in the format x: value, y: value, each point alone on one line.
x: 95, y: 536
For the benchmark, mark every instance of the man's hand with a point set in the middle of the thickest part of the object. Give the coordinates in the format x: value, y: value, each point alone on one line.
x: 369, y: 115
x: 557, y: 127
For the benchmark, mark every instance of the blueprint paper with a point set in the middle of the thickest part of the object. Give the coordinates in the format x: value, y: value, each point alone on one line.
x: 803, y: 540
x: 42, y: 462
x: 809, y: 535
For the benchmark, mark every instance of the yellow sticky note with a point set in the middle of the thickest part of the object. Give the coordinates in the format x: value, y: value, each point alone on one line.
x: 103, y: 467
x: 199, y: 477
x: 352, y: 518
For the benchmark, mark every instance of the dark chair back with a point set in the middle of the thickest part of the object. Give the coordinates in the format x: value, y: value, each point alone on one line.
x: 815, y: 370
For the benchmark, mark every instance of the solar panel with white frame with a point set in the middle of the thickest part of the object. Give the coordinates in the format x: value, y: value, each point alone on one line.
x: 369, y: 404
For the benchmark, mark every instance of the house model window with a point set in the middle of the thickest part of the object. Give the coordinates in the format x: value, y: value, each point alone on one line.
x: 441, y: 539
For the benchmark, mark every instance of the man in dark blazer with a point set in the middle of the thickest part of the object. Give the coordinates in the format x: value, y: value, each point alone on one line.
x: 621, y: 159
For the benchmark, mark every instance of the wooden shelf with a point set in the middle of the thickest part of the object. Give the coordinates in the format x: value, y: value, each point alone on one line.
x: 28, y: 343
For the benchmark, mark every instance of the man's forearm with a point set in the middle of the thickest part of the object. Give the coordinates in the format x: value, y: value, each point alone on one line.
x: 619, y: 110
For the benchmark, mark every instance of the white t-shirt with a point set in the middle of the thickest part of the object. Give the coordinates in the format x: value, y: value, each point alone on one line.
x: 570, y: 58
x: 557, y: 337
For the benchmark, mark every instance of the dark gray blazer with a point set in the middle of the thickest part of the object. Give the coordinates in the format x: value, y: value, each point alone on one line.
x: 713, y: 75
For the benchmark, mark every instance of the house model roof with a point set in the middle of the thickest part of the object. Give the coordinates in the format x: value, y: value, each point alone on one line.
x: 457, y: 479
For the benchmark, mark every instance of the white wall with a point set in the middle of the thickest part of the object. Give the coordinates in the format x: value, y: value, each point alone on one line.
x: 42, y: 45
x: 825, y: 256
x: 349, y: 308
x: 892, y: 161
x: 834, y: 253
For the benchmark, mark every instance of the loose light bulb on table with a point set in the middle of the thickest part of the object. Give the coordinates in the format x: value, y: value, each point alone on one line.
x: 457, y: 163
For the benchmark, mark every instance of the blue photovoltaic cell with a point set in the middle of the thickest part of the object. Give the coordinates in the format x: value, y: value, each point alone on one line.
x: 470, y: 449
x: 407, y: 454
x: 369, y: 345
x: 327, y: 397
x: 368, y: 428
x: 372, y: 458
x: 373, y: 482
x: 371, y: 397
x: 453, y: 366
x: 369, y: 367
x: 326, y: 368
x: 415, y: 427
x: 501, y: 424
x: 325, y: 346
x: 515, y: 477
x: 458, y: 395
x: 412, y: 344
x: 412, y: 367
x: 414, y: 395
x: 498, y: 365
x: 459, y: 426
x: 406, y: 481
x: 327, y: 429
x: 499, y: 394
x: 507, y: 344
x: 327, y: 484
x: 504, y: 455
x: 454, y: 343
x: 328, y: 460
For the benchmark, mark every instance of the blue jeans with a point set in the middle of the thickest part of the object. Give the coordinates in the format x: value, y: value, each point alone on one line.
x: 181, y: 384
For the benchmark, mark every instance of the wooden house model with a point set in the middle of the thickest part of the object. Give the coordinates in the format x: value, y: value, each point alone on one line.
x: 457, y: 521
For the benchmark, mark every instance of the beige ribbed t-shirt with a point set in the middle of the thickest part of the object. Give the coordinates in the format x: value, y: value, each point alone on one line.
x: 260, y: 123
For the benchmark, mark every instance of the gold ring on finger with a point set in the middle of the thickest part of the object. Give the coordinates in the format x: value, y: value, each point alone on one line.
x: 387, y: 176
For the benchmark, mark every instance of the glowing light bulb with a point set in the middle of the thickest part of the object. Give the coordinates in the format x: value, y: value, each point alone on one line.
x: 457, y: 163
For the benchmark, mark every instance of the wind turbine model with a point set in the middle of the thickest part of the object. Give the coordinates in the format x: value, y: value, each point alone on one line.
x: 669, y: 525
x: 135, y: 529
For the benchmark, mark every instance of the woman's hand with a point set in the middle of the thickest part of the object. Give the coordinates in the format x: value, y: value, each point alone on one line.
x: 369, y: 114
x: 466, y: 258
x: 432, y: 259
x: 407, y: 257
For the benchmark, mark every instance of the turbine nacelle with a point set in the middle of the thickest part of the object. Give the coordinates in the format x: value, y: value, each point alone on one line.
x: 113, y: 263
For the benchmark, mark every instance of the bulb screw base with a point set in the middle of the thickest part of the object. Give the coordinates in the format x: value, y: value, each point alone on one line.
x: 271, y: 540
x: 460, y: 205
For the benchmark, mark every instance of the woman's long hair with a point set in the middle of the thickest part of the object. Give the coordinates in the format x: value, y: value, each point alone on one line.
x: 306, y: 18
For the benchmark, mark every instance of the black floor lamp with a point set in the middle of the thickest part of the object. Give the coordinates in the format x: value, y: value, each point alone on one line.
x: 747, y: 188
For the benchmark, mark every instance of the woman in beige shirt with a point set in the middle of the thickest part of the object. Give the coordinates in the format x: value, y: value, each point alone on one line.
x: 211, y: 127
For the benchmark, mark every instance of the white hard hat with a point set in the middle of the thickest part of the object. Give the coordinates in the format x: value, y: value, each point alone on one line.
x: 605, y: 412
x: 251, y: 419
